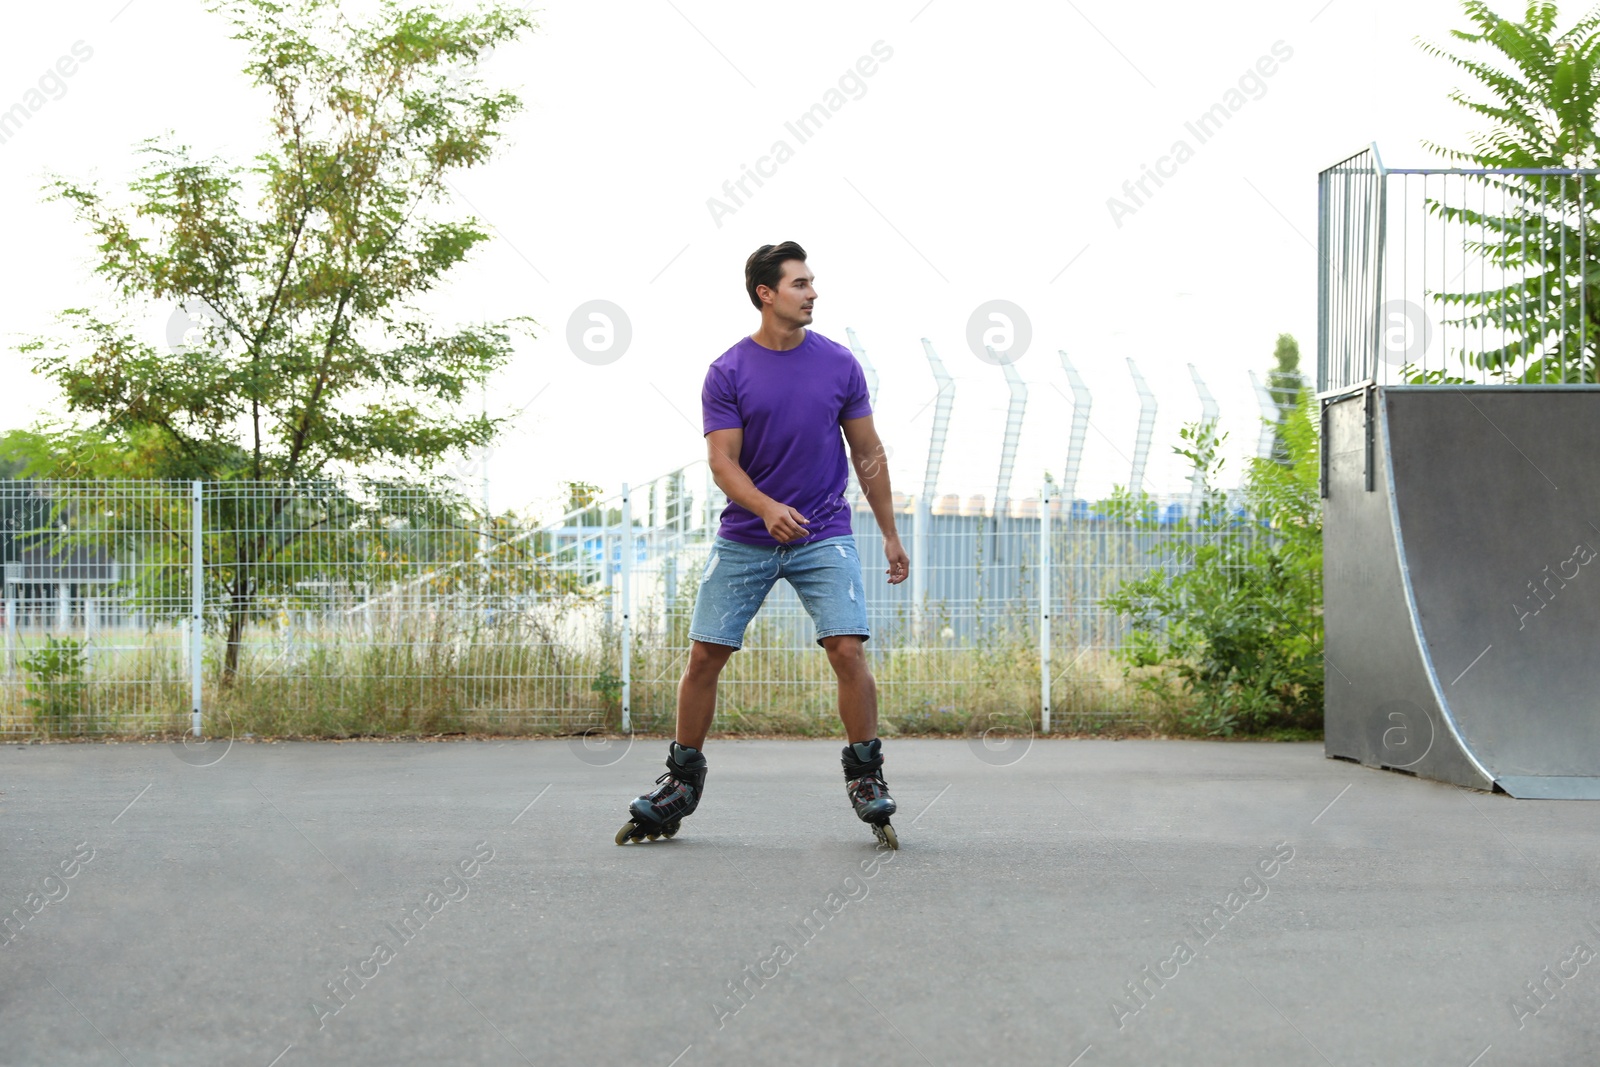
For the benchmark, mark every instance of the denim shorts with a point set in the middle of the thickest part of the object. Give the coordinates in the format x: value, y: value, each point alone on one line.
x: 825, y: 574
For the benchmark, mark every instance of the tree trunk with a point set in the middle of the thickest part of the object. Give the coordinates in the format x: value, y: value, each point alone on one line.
x: 236, y: 618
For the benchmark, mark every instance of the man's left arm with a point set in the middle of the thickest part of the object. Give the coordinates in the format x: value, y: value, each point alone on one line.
x: 872, y: 470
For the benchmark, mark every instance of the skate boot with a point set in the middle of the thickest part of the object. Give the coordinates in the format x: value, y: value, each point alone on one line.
x: 660, y: 812
x: 869, y: 794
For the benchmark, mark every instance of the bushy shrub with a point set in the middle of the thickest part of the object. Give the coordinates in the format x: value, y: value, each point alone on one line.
x: 56, y: 689
x: 1232, y: 642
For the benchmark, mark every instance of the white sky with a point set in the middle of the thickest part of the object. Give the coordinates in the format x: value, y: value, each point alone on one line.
x: 976, y: 166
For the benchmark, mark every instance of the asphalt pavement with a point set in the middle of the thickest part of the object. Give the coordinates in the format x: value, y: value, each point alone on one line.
x: 1061, y: 901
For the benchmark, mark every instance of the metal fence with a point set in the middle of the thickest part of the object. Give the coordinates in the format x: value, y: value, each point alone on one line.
x: 1454, y: 276
x: 375, y: 608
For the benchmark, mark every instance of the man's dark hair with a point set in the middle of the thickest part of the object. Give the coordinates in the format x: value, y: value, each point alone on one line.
x: 765, y: 267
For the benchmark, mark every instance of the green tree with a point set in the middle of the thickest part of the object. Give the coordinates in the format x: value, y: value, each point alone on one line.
x: 1284, y: 382
x: 1543, y: 96
x: 581, y: 498
x: 306, y: 357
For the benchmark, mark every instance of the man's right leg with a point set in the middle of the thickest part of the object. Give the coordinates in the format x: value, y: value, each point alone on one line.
x: 697, y: 691
x: 732, y: 587
x: 736, y: 580
x: 677, y: 793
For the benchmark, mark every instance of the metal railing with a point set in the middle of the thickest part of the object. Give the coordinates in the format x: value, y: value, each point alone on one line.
x: 1432, y: 276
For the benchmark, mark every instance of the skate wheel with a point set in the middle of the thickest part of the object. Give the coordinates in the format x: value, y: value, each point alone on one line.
x: 668, y: 833
x: 626, y: 832
x: 886, y: 835
x: 654, y: 837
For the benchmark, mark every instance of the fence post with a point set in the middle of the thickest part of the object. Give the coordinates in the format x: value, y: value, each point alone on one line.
x: 1044, y: 609
x: 711, y: 508
x: 627, y: 610
x: 919, y: 566
x: 610, y: 571
x: 197, y: 603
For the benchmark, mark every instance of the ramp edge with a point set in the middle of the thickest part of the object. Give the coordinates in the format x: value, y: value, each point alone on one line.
x: 1549, y: 787
x: 1430, y: 671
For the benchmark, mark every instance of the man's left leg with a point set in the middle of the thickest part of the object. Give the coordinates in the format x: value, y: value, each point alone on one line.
x: 858, y: 693
x: 827, y: 577
x: 862, y: 758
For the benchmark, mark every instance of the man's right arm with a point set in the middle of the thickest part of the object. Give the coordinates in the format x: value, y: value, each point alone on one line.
x: 722, y: 451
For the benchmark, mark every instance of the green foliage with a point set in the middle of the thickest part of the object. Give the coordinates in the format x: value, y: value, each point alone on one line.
x: 1233, y: 641
x: 1284, y: 378
x: 297, y: 271
x: 581, y: 498
x: 1284, y: 382
x: 608, y: 684
x: 302, y: 356
x: 1544, y: 112
x: 56, y: 688
x: 1202, y: 447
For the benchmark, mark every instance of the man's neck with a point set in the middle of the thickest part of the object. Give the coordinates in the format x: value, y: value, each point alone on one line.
x: 778, y: 336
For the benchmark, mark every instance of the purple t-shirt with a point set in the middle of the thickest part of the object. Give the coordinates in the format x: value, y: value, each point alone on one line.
x: 789, y: 405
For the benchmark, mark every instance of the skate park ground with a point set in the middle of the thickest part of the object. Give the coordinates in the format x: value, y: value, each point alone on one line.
x: 226, y: 905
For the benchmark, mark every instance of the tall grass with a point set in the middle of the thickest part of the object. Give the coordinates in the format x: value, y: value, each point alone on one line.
x: 557, y: 673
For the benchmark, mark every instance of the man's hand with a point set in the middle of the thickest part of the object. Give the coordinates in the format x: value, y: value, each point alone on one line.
x: 784, y: 523
x: 899, y: 562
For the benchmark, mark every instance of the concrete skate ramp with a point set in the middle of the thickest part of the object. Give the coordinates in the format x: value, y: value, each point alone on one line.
x: 1462, y: 592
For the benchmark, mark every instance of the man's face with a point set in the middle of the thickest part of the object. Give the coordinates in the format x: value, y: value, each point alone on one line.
x: 792, y: 300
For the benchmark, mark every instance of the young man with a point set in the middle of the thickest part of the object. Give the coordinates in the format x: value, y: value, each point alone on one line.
x: 774, y: 405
